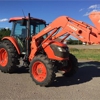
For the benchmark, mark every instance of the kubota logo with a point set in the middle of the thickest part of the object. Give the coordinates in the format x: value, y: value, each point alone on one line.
x: 72, y: 27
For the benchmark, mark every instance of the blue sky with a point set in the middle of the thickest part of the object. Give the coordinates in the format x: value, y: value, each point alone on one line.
x: 47, y: 9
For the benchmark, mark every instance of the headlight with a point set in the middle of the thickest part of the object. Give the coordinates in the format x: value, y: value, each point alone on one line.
x: 61, y: 49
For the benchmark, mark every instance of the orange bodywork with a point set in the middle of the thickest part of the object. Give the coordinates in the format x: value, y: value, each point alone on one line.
x: 14, y: 42
x: 95, y: 18
x: 46, y: 47
x: 50, y: 52
x: 20, y: 18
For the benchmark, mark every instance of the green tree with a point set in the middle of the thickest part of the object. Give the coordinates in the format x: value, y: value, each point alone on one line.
x: 69, y: 41
x: 4, y: 32
x: 74, y: 42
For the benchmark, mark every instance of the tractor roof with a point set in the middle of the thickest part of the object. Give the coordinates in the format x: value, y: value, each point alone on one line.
x: 20, y: 18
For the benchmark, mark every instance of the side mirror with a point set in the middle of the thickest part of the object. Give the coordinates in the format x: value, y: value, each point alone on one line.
x: 24, y: 22
x: 47, y: 24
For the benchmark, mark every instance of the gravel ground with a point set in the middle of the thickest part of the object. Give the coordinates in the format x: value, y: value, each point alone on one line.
x: 84, y: 85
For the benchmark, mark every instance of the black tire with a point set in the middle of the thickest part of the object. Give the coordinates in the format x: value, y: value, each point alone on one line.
x: 50, y: 70
x: 73, y: 64
x: 12, y: 57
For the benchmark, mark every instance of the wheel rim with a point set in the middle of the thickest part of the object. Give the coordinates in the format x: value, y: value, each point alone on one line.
x: 39, y: 71
x: 3, y: 57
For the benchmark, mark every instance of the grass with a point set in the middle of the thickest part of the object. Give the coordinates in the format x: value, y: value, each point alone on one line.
x: 87, y: 54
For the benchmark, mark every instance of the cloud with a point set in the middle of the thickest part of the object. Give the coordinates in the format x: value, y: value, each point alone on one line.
x: 92, y: 8
x: 81, y: 9
x: 87, y: 13
x: 3, y: 20
x: 6, y: 27
x: 96, y: 6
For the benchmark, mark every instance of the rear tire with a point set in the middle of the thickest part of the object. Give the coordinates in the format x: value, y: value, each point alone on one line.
x: 8, y: 57
x: 72, y: 66
x: 42, y: 70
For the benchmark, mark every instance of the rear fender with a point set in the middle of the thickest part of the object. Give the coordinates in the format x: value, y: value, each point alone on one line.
x: 13, y: 41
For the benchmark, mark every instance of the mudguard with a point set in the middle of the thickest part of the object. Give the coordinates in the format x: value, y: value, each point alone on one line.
x: 13, y: 41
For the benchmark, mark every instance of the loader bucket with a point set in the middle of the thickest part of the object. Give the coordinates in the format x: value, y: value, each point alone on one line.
x: 95, y: 18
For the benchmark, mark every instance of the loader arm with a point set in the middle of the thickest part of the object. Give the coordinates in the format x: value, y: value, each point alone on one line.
x: 66, y: 26
x: 80, y: 30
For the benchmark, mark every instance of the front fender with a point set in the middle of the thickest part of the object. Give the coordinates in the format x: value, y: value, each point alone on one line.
x: 50, y: 52
x: 13, y: 41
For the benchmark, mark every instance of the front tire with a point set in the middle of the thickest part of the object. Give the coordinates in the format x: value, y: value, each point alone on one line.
x: 72, y: 66
x: 42, y: 70
x: 8, y: 57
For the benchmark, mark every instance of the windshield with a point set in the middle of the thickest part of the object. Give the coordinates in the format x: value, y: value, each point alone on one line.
x: 35, y: 29
x: 21, y: 31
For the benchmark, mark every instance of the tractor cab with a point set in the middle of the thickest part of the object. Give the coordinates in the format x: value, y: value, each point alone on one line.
x: 23, y: 28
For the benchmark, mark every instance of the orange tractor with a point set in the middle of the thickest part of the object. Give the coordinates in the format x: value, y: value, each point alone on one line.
x: 30, y: 40
x: 36, y: 43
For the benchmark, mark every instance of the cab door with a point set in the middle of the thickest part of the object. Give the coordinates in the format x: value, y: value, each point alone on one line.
x: 20, y: 33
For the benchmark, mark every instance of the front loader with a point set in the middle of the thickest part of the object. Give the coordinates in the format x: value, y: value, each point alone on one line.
x: 31, y: 40
x: 66, y: 26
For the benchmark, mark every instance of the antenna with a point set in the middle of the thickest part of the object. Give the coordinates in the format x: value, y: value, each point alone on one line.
x: 23, y: 13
